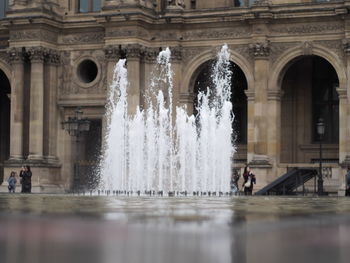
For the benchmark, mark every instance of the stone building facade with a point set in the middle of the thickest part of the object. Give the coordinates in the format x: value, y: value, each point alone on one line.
x: 293, y: 58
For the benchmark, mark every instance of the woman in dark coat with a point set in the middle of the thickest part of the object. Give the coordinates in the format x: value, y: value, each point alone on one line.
x: 249, y: 180
x: 26, y: 179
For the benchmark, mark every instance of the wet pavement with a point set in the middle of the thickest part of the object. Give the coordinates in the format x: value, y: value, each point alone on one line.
x: 65, y: 228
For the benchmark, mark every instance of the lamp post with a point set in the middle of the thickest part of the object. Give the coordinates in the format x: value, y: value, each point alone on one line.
x: 320, y: 131
x: 75, y: 126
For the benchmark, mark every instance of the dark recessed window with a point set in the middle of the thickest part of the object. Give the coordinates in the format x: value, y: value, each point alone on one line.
x: 89, y: 6
x: 87, y: 71
x: 325, y: 100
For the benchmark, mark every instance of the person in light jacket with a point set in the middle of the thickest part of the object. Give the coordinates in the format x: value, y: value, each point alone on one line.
x: 249, y: 180
x: 12, y: 182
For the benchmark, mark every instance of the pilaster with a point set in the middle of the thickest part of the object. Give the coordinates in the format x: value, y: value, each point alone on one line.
x: 17, y: 98
x: 261, y: 52
x: 36, y: 116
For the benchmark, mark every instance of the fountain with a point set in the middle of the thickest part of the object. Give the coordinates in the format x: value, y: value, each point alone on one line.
x: 156, y: 151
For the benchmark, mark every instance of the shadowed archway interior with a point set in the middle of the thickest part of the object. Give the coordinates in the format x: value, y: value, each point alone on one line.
x: 309, y: 86
x: 5, y: 91
x: 203, y: 82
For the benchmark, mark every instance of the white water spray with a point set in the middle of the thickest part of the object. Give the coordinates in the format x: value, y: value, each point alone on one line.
x: 155, y: 150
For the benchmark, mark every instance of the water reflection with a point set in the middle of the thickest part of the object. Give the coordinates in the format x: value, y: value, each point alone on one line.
x: 58, y: 228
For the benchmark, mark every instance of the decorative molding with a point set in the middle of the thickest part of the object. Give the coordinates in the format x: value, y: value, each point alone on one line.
x: 342, y: 93
x: 5, y: 56
x: 176, y: 54
x: 250, y: 95
x: 302, y: 29
x: 176, y: 3
x: 78, y: 38
x: 274, y: 94
x: 127, y: 32
x: 262, y: 3
x: 260, y: 50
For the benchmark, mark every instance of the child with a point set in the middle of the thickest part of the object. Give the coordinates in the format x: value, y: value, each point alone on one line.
x: 12, y: 182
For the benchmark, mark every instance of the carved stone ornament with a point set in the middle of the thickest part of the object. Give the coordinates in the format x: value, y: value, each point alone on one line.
x: 346, y: 46
x: 112, y: 53
x: 37, y: 54
x: 176, y: 3
x: 78, y: 38
x: 260, y: 50
x: 229, y: 33
x: 53, y: 57
x: 307, y: 48
x: 150, y: 54
x: 309, y: 28
x: 133, y: 51
x: 44, y: 35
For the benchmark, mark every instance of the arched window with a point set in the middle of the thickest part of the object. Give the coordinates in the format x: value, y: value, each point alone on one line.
x: 89, y: 6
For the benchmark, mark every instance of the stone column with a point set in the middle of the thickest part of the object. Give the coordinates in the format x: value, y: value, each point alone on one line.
x: 50, y: 114
x: 250, y: 123
x: 17, y: 89
x: 36, y: 116
x: 133, y: 53
x: 261, y: 53
x: 344, y: 113
x: 274, y: 125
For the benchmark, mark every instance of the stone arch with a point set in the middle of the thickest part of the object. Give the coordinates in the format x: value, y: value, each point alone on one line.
x: 194, y: 66
x: 279, y: 69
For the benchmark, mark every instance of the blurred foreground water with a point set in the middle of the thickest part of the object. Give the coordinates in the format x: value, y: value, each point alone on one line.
x: 101, y: 229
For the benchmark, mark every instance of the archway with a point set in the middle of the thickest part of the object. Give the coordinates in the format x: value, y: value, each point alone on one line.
x: 238, y: 98
x: 5, y: 91
x: 309, y: 87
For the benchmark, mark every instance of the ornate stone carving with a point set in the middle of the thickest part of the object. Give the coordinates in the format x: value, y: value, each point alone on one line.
x: 335, y: 46
x: 37, y: 54
x: 15, y: 55
x: 53, y: 57
x: 260, y: 50
x: 4, y: 56
x: 307, y: 48
x: 176, y: 54
x: 150, y: 54
x: 176, y: 3
x: 133, y: 51
x: 346, y: 46
x: 244, y: 51
x: 43, y: 35
x: 93, y: 37
x: 275, y: 94
x: 128, y: 32
x: 301, y: 29
x: 112, y: 53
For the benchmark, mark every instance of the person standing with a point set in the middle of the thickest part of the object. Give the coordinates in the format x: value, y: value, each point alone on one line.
x: 26, y: 180
x: 347, y: 191
x: 249, y: 180
x: 12, y: 182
